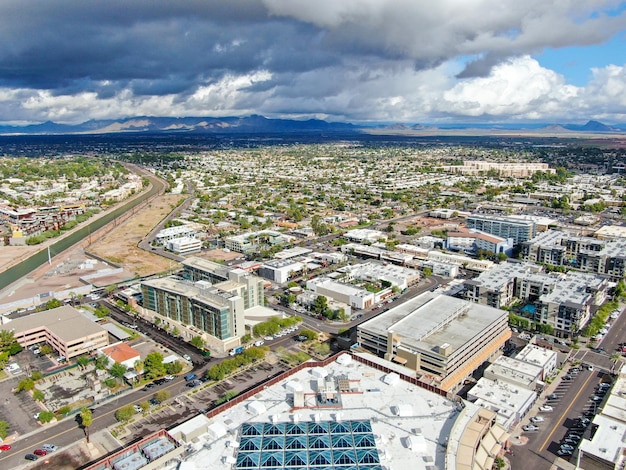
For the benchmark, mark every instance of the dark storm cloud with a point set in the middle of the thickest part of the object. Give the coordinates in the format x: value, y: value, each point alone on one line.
x: 341, y: 57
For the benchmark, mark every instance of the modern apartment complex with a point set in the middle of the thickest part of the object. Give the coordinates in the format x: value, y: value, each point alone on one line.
x: 504, y: 227
x: 562, y: 300
x: 443, y: 338
x: 558, y: 248
x: 209, y: 299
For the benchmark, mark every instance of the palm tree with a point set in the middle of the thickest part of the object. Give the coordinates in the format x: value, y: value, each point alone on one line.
x: 86, y: 419
x: 615, y: 358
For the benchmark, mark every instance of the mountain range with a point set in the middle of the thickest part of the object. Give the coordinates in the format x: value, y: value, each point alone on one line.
x: 256, y: 124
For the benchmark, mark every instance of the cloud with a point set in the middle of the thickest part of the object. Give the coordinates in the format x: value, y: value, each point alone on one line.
x: 368, y: 60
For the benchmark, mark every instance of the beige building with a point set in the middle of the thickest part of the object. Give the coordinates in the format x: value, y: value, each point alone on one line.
x: 64, y: 328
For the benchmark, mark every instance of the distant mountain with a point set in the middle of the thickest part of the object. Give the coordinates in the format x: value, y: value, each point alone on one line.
x: 256, y: 124
x: 592, y: 126
x: 250, y: 125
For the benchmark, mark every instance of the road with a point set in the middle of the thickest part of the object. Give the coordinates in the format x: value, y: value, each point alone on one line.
x: 573, y: 400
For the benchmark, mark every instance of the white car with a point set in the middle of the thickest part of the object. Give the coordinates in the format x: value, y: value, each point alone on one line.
x: 49, y: 447
x: 187, y: 357
x: 259, y: 343
x: 546, y: 408
x: 536, y: 419
x: 268, y: 338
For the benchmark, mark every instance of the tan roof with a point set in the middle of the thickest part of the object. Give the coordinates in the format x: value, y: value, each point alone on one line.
x: 65, y: 322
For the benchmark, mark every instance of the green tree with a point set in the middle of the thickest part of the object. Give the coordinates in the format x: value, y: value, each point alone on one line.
x: 86, y: 419
x: 46, y: 349
x: 45, y: 416
x: 38, y: 395
x: 198, y: 342
x: 118, y: 370
x: 174, y: 367
x: 125, y: 413
x: 7, y: 338
x: 138, y: 366
x: 153, y: 365
x: 65, y: 409
x: 246, y: 338
x: 320, y: 305
x: 53, y: 303
x: 82, y: 361
x: 102, y: 362
x: 145, y: 405
x: 36, y: 375
x: 27, y: 384
x: 4, y: 429
x: 310, y: 334
x: 162, y: 395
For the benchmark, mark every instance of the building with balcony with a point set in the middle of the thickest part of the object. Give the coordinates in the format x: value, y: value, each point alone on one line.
x: 504, y: 227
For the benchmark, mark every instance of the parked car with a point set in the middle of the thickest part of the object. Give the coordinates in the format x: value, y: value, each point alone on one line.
x: 530, y: 427
x: 31, y: 457
x: 187, y: 357
x: 138, y: 409
x: 5, y: 447
x: 546, y: 408
x: 552, y: 396
x: 169, y: 377
x: 40, y: 452
x: 159, y: 381
x: 49, y: 447
x: 536, y: 419
x: 564, y: 452
x: 190, y: 377
x: 567, y: 447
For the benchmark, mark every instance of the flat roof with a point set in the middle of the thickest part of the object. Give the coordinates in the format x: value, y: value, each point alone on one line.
x: 64, y: 322
x: 433, y: 319
x: 608, y: 440
x: 536, y: 355
x: 429, y: 425
x: 510, y: 369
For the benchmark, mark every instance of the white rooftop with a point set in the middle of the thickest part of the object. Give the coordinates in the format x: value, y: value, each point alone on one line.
x: 608, y: 440
x: 429, y: 425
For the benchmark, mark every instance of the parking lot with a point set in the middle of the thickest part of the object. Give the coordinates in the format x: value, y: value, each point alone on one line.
x: 562, y: 417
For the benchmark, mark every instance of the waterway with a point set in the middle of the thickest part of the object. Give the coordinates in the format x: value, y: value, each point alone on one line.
x: 31, y: 263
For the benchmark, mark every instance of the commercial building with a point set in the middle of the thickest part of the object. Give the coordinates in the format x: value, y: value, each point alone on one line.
x: 397, y: 276
x: 471, y: 241
x: 356, y: 297
x: 515, y: 170
x: 184, y: 245
x: 510, y: 401
x: 170, y: 233
x: 361, y: 235
x: 280, y: 270
x: 516, y: 372
x: 64, y: 328
x: 505, y: 227
x: 342, y: 414
x: 250, y: 242
x: 538, y: 356
x: 442, y: 338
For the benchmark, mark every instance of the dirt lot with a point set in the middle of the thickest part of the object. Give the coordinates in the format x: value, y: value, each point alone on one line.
x: 120, y: 244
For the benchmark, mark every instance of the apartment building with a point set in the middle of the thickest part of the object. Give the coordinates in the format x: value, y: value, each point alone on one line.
x: 442, y: 338
x: 209, y: 299
x: 558, y: 248
x: 562, y: 300
x: 505, y: 227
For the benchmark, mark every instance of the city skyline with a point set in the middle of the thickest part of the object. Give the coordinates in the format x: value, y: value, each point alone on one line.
x: 360, y: 61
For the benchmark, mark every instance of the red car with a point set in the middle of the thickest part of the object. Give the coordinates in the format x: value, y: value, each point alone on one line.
x: 5, y: 447
x: 40, y: 452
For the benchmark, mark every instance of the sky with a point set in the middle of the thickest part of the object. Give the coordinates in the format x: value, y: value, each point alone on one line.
x: 360, y: 61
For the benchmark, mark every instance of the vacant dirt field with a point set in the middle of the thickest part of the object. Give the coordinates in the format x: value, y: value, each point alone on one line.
x: 119, y: 245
